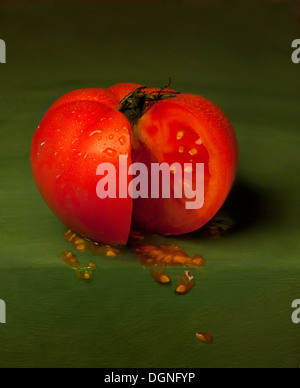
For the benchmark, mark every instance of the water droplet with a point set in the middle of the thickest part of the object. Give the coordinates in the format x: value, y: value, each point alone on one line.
x: 42, y: 144
x: 122, y: 140
x: 110, y: 152
x: 180, y: 135
x: 57, y: 177
x: 94, y: 133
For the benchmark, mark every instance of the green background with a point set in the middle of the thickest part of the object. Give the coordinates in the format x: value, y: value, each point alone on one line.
x: 237, y: 54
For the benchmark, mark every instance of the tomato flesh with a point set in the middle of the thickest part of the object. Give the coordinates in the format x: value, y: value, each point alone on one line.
x: 181, y: 144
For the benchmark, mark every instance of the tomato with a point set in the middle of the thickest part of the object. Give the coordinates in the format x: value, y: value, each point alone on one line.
x: 88, y: 127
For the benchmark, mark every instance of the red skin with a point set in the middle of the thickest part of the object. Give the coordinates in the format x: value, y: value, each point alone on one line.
x: 67, y: 180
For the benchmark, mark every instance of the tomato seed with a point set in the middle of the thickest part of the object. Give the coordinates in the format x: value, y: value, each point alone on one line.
x: 193, y: 152
x: 180, y: 135
x: 160, y: 276
x: 69, y: 258
x: 81, y: 247
x: 185, y: 283
x: 198, y: 260
x: 111, y: 253
x: 206, y: 338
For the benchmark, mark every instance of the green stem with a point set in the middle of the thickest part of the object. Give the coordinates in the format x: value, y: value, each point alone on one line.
x: 136, y: 103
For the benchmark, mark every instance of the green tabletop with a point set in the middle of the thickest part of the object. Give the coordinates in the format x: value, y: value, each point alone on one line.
x: 238, y: 54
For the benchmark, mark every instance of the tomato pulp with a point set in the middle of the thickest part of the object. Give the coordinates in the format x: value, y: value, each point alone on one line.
x: 88, y: 127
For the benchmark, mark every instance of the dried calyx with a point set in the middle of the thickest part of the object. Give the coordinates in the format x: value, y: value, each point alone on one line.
x: 136, y: 103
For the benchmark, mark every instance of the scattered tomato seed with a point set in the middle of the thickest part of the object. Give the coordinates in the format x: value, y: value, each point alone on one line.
x: 160, y: 276
x: 181, y: 289
x: 69, y: 258
x: 206, y: 338
x: 83, y: 245
x: 81, y: 248
x: 166, y: 255
x: 84, y: 273
x: 185, y: 283
x: 198, y: 260
x: 78, y: 241
x: 111, y: 254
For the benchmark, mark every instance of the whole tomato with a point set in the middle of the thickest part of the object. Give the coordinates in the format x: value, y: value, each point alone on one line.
x: 88, y: 127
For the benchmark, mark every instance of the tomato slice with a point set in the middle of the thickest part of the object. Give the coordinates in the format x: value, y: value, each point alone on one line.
x: 173, y: 132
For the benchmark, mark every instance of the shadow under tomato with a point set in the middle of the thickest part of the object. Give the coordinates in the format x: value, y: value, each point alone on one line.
x: 246, y: 207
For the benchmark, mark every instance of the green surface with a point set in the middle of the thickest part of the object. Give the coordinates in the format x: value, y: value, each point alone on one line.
x: 238, y: 54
